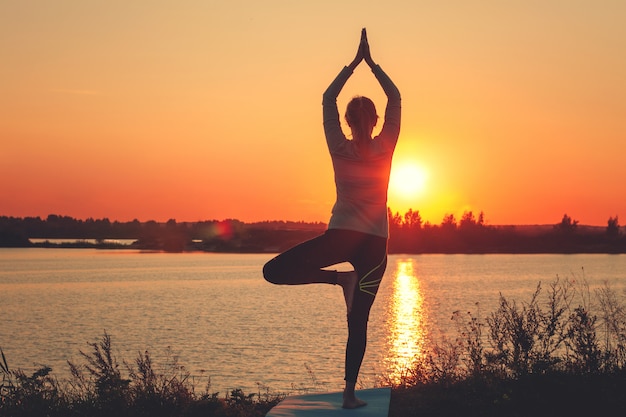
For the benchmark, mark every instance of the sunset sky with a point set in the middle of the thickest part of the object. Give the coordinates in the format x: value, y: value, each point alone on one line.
x: 200, y: 110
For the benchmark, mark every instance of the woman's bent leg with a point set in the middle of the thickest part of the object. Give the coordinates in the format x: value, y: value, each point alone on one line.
x: 303, y: 263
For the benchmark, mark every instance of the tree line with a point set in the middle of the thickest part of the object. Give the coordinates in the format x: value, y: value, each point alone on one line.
x: 470, y: 234
x: 408, y: 234
x: 230, y: 235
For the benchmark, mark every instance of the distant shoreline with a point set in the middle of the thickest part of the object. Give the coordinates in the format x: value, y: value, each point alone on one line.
x: 86, y: 244
x: 407, y: 234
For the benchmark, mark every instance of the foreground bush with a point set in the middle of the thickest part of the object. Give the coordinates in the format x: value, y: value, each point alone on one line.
x: 98, y: 388
x: 550, y: 356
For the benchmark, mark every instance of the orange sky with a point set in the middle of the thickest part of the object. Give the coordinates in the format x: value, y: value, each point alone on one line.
x: 199, y: 110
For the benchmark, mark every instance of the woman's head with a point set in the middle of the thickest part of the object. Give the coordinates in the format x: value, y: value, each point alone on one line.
x: 361, y: 117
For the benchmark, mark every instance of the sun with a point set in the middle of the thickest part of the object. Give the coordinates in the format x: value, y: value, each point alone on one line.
x: 408, y: 180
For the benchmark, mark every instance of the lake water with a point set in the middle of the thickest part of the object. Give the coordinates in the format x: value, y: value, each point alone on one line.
x: 224, y: 322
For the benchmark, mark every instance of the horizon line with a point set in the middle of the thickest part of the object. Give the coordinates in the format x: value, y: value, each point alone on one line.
x: 283, y: 220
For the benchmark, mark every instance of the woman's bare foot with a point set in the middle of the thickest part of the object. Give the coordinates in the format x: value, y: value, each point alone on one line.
x: 351, y: 401
x: 348, y: 281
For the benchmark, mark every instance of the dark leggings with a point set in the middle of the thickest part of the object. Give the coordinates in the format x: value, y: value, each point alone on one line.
x: 303, y: 264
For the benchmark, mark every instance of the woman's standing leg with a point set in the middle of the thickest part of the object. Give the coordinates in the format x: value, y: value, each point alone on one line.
x: 370, y: 263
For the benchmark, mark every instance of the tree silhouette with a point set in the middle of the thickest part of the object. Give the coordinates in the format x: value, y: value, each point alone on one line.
x: 448, y: 222
x: 612, y: 228
x: 567, y: 225
x: 395, y: 220
x: 468, y: 221
x: 412, y: 220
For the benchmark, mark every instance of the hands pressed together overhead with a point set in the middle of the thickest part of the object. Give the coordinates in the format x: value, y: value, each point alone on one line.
x: 363, y: 53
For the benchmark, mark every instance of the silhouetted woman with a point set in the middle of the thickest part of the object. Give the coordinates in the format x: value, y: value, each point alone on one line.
x: 358, y: 228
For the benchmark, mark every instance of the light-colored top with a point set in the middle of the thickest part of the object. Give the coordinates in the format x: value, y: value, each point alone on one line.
x: 361, y: 173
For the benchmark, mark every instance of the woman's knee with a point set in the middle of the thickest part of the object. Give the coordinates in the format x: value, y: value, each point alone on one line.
x: 272, y: 272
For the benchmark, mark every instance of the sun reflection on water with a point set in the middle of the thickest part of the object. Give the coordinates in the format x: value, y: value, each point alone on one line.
x: 407, y: 330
